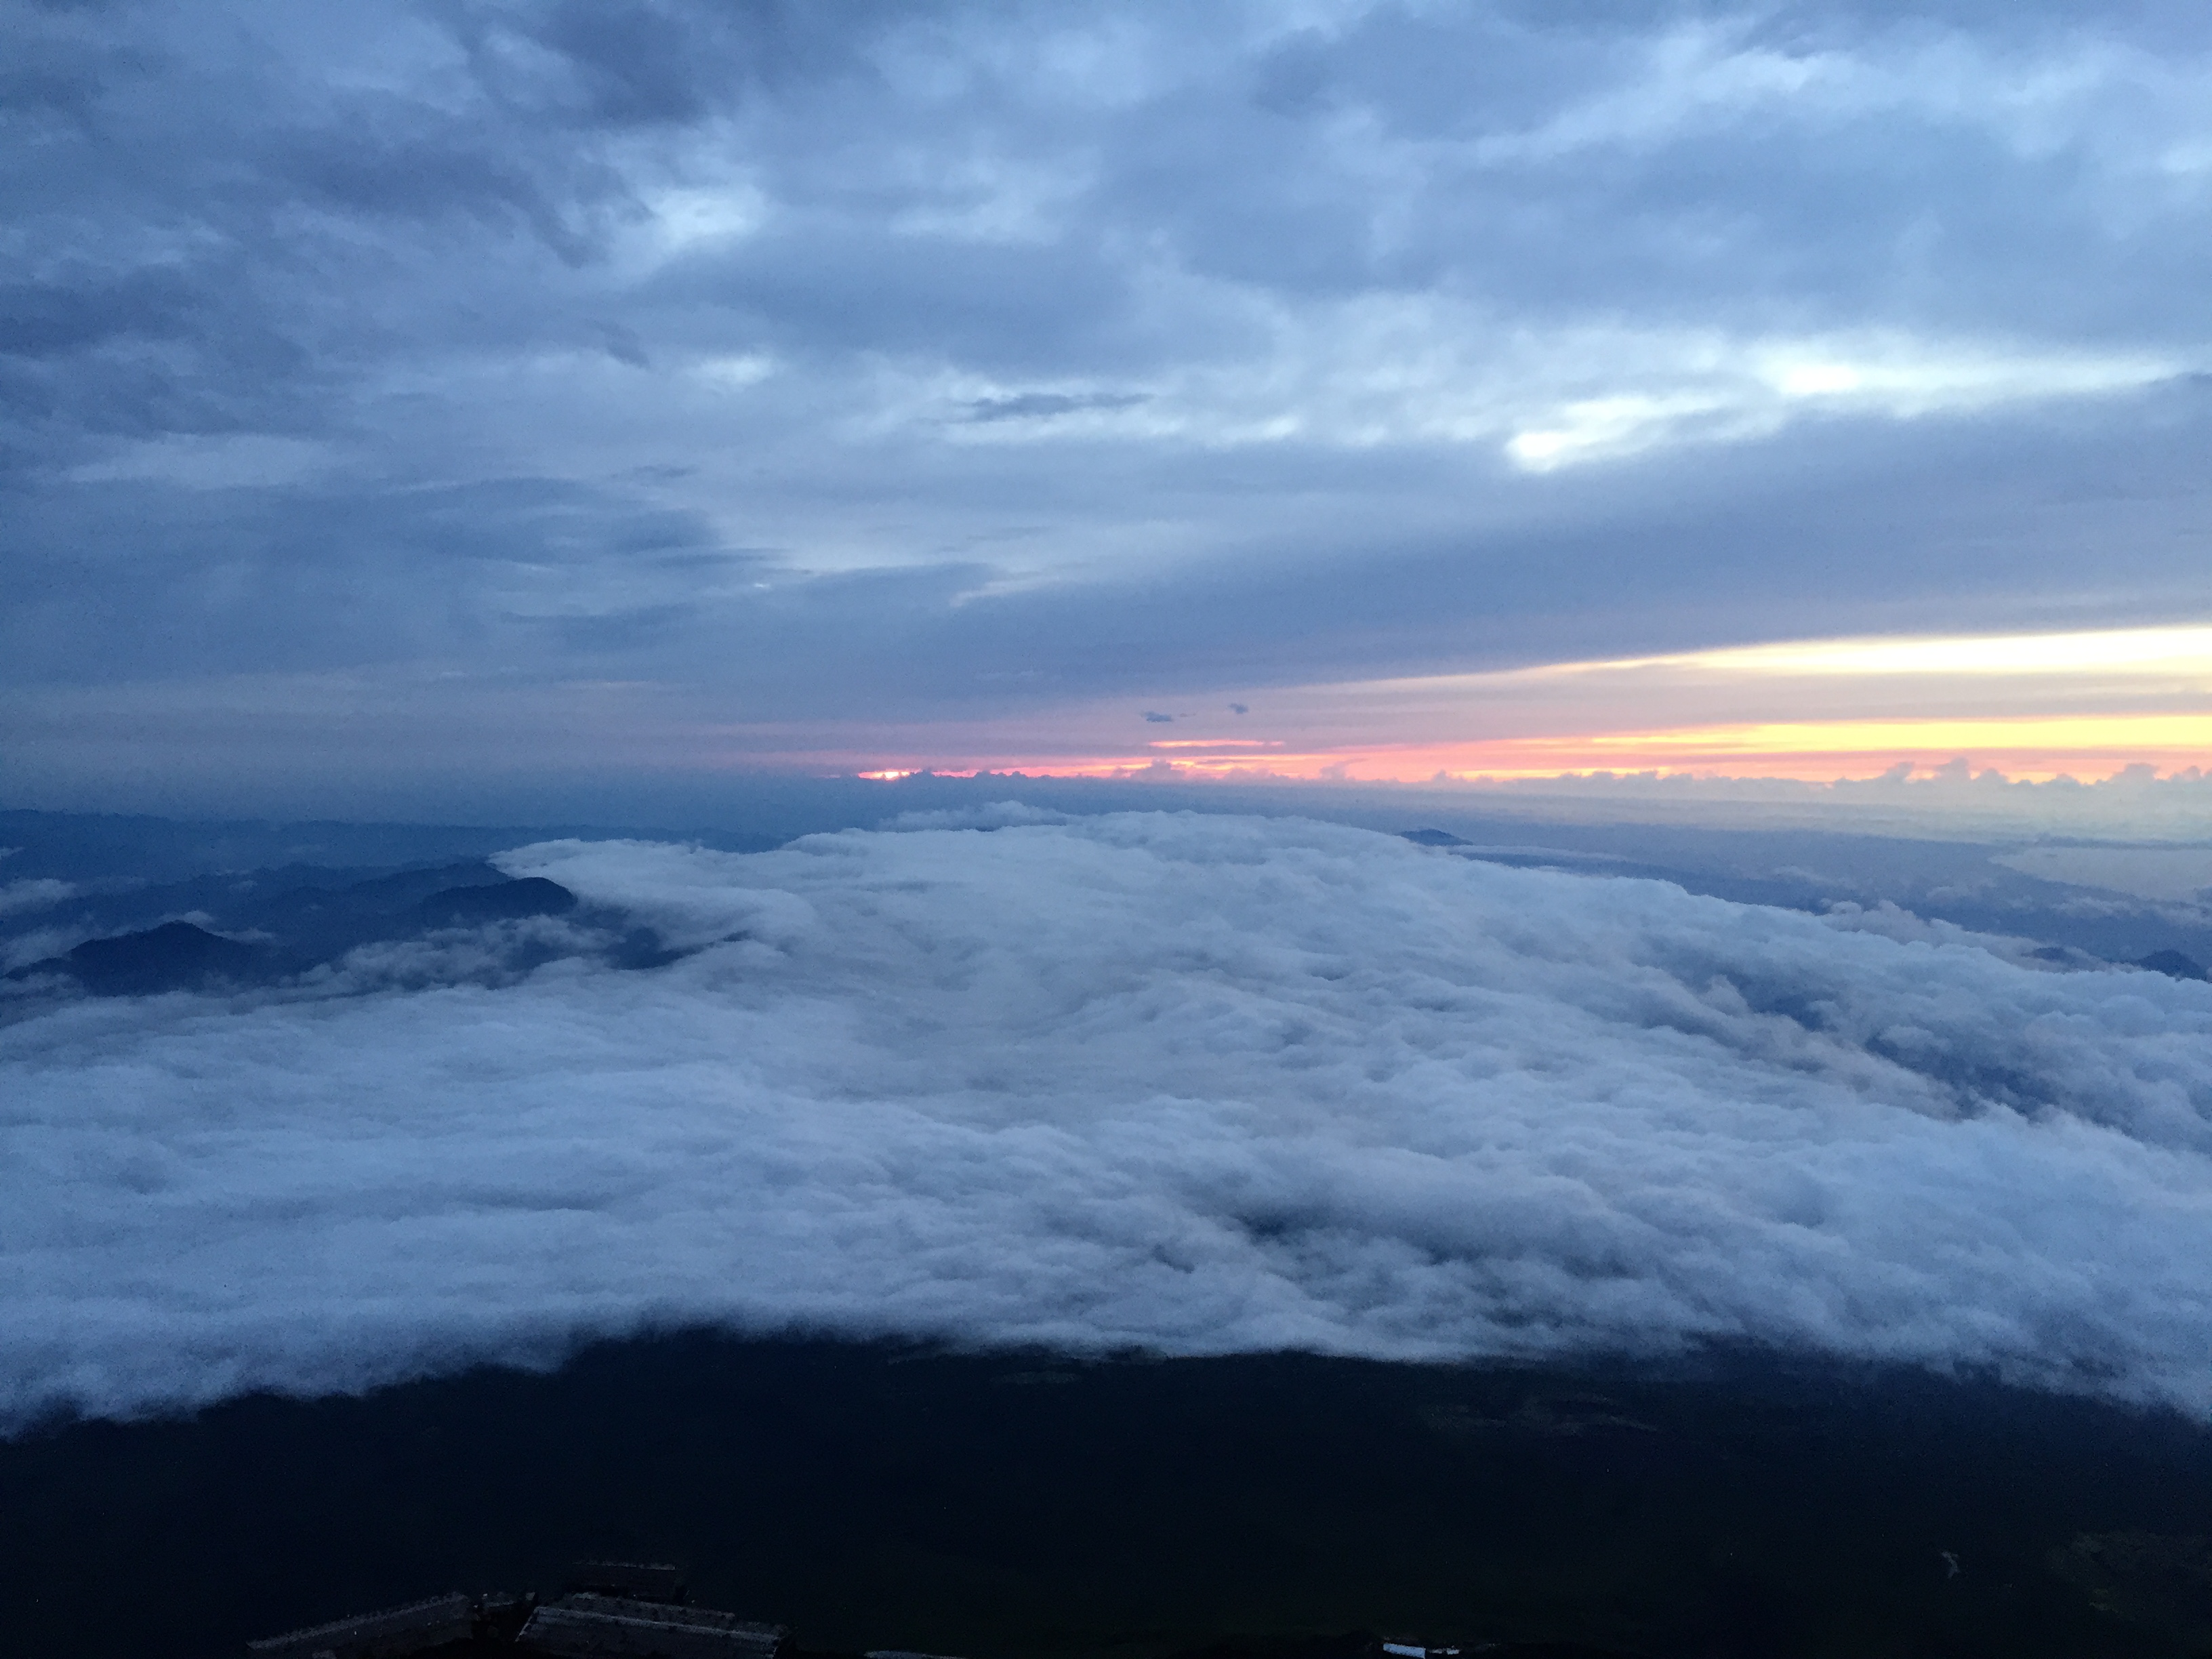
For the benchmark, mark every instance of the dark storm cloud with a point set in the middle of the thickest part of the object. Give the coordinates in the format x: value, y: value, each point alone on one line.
x: 1043, y: 405
x: 848, y: 357
x: 494, y: 571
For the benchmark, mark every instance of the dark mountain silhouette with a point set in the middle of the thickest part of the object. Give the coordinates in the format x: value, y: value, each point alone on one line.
x: 2173, y: 965
x: 1330, y: 1492
x: 324, y: 921
x: 306, y: 925
x: 174, y: 957
x: 301, y: 892
x: 505, y: 900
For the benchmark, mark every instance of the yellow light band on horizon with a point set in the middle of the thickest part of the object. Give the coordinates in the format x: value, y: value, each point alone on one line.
x: 2184, y: 651
x: 2106, y: 650
x: 2023, y: 746
x: 2098, y: 734
x: 2113, y: 650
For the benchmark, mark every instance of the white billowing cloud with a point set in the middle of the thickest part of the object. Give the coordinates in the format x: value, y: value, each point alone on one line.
x: 1892, y: 921
x: 999, y: 815
x: 1192, y: 1084
x: 1396, y: 370
x: 2122, y: 106
x: 1731, y: 391
x: 34, y: 893
x: 690, y: 895
x: 36, y: 945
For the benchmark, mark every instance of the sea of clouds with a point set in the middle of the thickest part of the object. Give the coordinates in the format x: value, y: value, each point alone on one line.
x: 1178, y: 1083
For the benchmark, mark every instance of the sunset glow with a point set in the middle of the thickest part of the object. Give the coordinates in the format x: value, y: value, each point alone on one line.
x: 2185, y: 651
x: 2031, y: 748
x: 2084, y: 705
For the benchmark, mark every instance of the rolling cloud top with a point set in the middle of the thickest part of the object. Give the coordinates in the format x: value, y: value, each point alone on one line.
x: 1189, y: 1083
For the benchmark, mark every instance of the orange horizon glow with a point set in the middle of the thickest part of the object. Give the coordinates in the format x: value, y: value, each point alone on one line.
x: 1216, y: 742
x: 2029, y: 707
x: 2031, y: 748
x: 2183, y: 651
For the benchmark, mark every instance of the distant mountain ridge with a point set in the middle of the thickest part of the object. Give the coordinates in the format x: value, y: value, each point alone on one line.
x: 176, y: 955
x: 294, y: 929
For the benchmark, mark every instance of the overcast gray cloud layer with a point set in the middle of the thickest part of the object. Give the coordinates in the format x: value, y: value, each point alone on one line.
x: 842, y: 360
x: 1199, y: 1084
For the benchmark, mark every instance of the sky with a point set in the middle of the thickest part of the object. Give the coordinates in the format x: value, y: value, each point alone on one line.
x: 563, y: 394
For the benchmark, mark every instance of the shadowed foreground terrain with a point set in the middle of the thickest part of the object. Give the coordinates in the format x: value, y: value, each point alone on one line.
x: 1003, y: 1504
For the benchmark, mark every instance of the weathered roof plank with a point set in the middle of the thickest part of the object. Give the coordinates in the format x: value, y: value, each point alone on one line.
x: 389, y: 1633
x: 769, y: 1636
x: 566, y: 1632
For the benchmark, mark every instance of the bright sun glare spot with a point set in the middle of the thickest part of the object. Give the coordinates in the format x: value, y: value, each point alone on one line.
x: 1818, y: 379
x: 1538, y: 450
